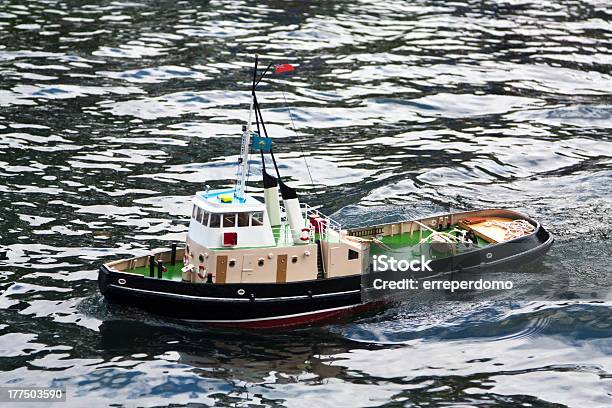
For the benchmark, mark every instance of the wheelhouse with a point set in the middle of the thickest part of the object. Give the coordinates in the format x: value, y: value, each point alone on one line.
x: 220, y: 220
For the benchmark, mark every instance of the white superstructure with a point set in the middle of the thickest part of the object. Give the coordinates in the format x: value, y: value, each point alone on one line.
x: 219, y: 219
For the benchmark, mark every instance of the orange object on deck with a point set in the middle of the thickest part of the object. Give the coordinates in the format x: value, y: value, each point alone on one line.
x: 474, y: 220
x: 491, y: 233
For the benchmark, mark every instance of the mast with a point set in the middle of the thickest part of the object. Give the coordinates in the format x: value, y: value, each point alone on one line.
x: 271, y: 183
x: 243, y: 160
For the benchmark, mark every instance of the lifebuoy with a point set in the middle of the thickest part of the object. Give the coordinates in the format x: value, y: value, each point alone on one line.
x: 305, y: 236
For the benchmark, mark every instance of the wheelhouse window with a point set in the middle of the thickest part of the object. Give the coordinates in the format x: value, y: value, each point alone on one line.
x: 243, y: 219
x: 353, y: 254
x: 229, y: 220
x: 257, y: 218
x: 215, y: 220
x: 204, y: 218
x: 200, y: 215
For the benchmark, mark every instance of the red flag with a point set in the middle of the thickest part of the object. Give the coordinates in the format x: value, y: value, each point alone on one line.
x: 282, y: 68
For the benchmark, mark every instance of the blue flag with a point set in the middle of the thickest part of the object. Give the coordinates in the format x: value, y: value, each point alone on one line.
x: 261, y: 143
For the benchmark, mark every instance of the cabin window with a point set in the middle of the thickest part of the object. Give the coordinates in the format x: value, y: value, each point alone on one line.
x: 204, y: 218
x: 198, y: 215
x: 352, y: 254
x: 257, y: 218
x: 215, y: 220
x: 243, y: 219
x: 194, y: 212
x: 229, y: 220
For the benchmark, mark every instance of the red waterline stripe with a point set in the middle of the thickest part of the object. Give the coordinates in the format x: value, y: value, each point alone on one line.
x: 303, y: 320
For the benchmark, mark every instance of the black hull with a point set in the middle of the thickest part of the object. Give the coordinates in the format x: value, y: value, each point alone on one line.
x: 222, y: 303
x: 288, y: 304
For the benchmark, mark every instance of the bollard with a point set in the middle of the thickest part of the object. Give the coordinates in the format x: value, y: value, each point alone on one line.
x: 160, y: 268
x: 173, y: 255
x: 151, y: 266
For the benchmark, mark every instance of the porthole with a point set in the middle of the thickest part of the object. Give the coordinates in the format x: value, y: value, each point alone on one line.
x: 260, y: 262
x: 489, y: 255
x: 241, y: 292
x: 201, y: 258
x: 121, y: 281
x: 294, y: 259
x: 232, y: 263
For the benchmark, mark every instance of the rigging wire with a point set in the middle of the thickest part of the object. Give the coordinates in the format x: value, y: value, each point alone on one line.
x: 263, y: 125
x: 297, y: 137
x: 254, y: 106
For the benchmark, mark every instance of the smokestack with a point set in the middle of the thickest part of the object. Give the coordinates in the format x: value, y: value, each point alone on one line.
x: 294, y: 213
x: 271, y: 198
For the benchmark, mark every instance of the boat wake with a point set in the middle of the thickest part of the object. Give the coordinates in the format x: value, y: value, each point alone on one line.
x: 485, y: 321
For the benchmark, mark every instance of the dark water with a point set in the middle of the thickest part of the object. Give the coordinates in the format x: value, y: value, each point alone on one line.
x: 114, y: 113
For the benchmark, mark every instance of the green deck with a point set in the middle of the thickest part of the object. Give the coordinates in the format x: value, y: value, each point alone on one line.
x: 174, y: 271
x: 407, y: 244
x: 407, y: 239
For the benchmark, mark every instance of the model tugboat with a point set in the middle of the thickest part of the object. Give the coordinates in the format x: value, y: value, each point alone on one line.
x: 248, y: 263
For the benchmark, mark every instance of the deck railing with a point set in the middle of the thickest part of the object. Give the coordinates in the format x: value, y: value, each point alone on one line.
x: 328, y: 228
